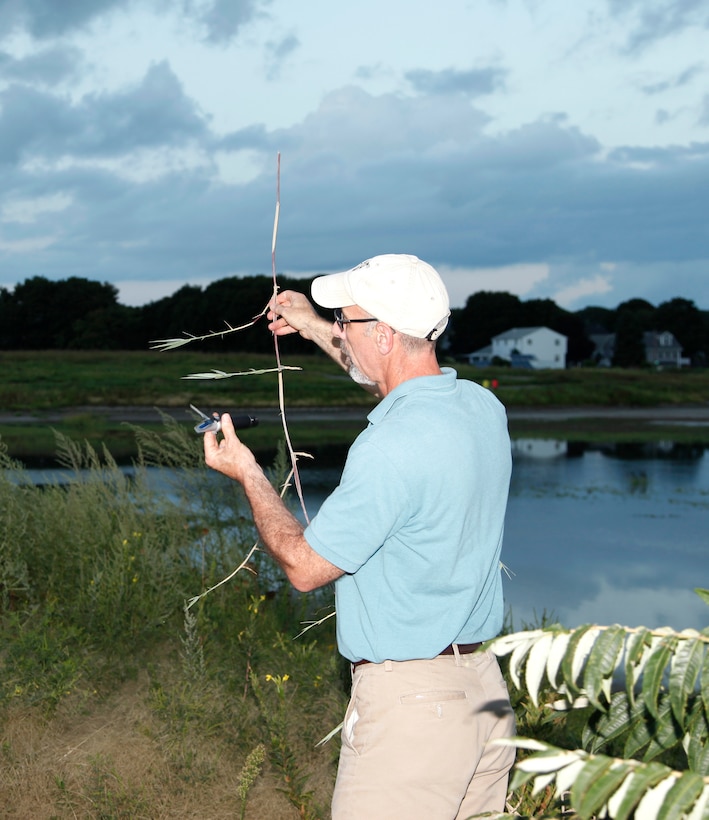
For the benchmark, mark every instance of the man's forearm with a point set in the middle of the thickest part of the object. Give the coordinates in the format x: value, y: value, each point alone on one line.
x: 282, y: 535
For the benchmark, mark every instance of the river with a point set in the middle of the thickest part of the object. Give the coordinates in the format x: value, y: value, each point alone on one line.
x: 603, y: 534
x: 593, y: 534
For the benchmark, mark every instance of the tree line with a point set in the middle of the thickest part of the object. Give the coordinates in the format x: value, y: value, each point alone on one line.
x: 82, y: 314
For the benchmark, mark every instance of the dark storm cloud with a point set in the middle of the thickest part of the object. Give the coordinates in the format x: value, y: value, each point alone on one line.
x: 35, y: 124
x: 50, y: 66
x: 473, y: 83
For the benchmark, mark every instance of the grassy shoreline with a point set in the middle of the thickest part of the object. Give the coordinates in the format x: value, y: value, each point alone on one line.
x: 43, y: 392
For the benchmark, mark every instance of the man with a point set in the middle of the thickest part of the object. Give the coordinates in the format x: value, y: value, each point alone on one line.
x: 412, y: 539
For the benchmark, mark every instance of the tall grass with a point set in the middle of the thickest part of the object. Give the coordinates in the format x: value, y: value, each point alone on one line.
x: 117, y: 701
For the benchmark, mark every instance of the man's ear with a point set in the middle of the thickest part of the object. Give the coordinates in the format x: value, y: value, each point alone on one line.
x: 384, y: 337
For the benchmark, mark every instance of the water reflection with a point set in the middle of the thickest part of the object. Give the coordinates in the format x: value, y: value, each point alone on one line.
x: 599, y: 533
x: 609, y: 534
x: 594, y: 533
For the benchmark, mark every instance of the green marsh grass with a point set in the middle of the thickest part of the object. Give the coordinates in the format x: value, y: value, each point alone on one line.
x: 68, y: 391
x: 117, y: 702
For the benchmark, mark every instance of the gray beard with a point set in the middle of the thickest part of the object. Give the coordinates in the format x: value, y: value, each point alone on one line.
x: 358, y: 377
x: 354, y: 372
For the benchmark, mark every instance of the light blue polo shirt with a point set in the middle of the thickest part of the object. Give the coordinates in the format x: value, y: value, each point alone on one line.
x: 416, y: 522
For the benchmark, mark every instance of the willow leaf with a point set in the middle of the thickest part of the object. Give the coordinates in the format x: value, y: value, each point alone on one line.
x: 634, y: 788
x: 568, y: 664
x: 684, y: 672
x: 536, y: 665
x: 600, y: 778
x: 635, y: 655
x: 602, y: 662
x: 703, y: 594
x: 654, y: 672
x: 682, y: 796
x: 556, y: 654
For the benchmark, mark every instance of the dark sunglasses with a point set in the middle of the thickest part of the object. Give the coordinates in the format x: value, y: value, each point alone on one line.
x: 341, y: 321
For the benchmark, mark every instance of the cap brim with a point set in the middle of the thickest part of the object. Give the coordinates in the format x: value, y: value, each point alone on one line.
x: 332, y: 291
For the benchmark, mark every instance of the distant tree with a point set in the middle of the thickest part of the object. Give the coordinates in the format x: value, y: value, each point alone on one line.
x: 688, y: 325
x: 641, y: 309
x: 113, y: 328
x: 597, y: 320
x: 40, y: 314
x: 629, y: 347
x: 485, y: 315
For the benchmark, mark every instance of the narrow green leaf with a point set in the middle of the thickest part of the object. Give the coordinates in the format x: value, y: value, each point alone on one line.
x: 634, y: 788
x: 536, y: 666
x: 635, y: 649
x: 652, y: 801
x: 604, y: 727
x: 594, y: 769
x: 600, y: 789
x: 641, y: 731
x: 567, y: 664
x: 684, y: 672
x: 654, y: 673
x: 519, y: 653
x: 666, y: 732
x: 703, y: 594
x: 556, y: 654
x: 695, y: 740
x: 700, y: 810
x: 705, y: 682
x: 601, y: 664
x: 682, y: 796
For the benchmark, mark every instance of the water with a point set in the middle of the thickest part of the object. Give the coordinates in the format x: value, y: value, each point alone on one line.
x: 592, y: 535
x: 599, y: 535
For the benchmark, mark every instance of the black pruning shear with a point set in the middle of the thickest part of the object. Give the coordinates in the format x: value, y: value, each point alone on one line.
x: 212, y: 424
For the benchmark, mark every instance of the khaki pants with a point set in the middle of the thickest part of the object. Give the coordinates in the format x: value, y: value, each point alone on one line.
x: 414, y: 740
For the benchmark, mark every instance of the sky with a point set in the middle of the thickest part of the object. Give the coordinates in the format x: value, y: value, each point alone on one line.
x: 547, y: 148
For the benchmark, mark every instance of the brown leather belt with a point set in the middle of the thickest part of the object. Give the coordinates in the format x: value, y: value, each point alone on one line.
x: 463, y: 649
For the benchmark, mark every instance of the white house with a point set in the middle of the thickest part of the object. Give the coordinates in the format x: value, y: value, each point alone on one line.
x: 533, y: 347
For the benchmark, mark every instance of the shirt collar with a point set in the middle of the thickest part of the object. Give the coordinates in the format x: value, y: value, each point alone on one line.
x: 443, y: 383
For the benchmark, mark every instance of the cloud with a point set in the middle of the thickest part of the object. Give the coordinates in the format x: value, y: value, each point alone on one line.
x: 535, y: 209
x: 48, y: 18
x: 570, y: 295
x: 221, y: 20
x: 35, y: 124
x: 655, y: 20
x: 677, y: 81
x: 278, y: 52
x: 49, y: 66
x: 472, y: 83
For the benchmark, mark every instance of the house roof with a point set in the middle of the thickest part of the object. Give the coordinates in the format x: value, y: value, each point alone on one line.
x: 520, y: 332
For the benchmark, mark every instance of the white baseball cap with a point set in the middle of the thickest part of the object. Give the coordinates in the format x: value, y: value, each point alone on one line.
x: 396, y: 288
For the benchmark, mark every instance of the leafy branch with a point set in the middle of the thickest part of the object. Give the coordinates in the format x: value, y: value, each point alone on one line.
x: 645, y: 692
x: 609, y: 786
